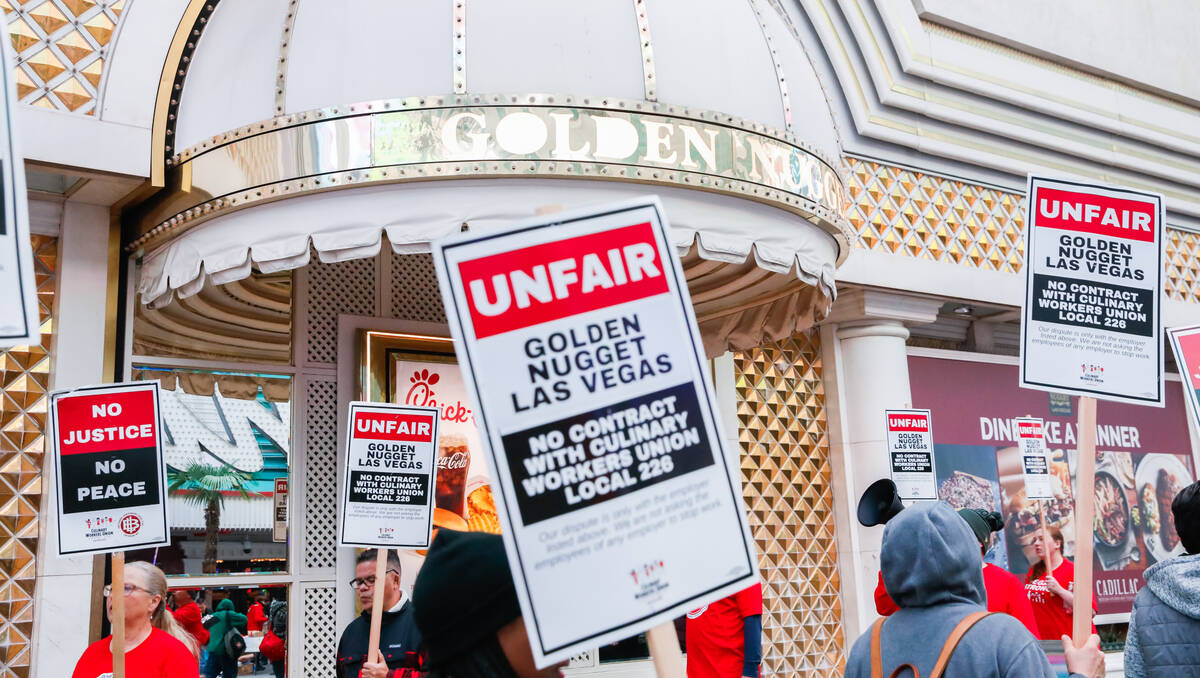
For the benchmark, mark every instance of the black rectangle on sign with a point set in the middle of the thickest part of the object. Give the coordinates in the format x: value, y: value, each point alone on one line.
x: 99, y: 481
x: 912, y: 462
x: 607, y: 452
x: 375, y: 487
x: 1036, y: 465
x: 1102, y: 306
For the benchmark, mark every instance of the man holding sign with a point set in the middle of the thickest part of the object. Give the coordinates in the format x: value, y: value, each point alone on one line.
x: 399, y: 639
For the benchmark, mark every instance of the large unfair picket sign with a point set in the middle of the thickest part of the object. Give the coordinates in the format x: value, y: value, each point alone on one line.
x: 577, y: 338
x: 910, y: 451
x: 110, y: 480
x: 18, y: 291
x: 1091, y: 323
x: 387, y: 499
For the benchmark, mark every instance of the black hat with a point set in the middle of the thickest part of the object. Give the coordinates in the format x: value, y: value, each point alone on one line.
x: 982, y: 523
x: 463, y: 594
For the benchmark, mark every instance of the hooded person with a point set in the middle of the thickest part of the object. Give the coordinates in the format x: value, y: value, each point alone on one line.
x: 220, y: 623
x: 1164, y: 629
x: 467, y: 611
x: 933, y: 569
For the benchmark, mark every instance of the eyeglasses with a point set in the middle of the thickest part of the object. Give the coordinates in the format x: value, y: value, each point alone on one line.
x: 368, y: 581
x: 129, y: 589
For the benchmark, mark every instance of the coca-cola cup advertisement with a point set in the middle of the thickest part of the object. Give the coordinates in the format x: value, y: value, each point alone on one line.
x: 460, y: 454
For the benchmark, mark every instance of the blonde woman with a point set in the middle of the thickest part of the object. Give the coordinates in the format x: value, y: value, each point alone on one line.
x: 155, y: 645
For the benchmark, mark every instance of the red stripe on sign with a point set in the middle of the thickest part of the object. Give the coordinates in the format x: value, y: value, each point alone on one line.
x: 537, y: 284
x: 105, y: 422
x: 1096, y: 214
x: 908, y: 423
x: 409, y: 428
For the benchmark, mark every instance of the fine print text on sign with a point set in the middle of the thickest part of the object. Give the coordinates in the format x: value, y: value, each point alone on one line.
x: 576, y: 335
x: 110, y: 476
x: 910, y: 447
x: 1093, y: 292
x: 18, y: 291
x: 1035, y: 463
x: 390, y: 474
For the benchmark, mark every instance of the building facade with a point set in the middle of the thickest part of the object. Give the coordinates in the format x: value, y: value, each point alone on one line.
x: 237, y: 198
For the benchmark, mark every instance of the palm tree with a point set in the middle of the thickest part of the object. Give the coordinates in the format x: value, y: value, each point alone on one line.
x: 206, y: 485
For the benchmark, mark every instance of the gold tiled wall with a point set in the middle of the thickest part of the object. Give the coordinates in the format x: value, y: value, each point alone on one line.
x: 61, y: 48
x: 786, y: 480
x: 914, y: 214
x: 24, y: 378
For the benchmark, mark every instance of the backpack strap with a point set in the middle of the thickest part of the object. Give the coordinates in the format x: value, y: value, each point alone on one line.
x: 876, y: 658
x: 952, y: 642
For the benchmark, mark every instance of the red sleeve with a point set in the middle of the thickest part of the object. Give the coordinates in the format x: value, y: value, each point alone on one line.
x: 181, y: 663
x: 749, y: 600
x: 884, y: 604
x: 88, y: 665
x: 1020, y: 607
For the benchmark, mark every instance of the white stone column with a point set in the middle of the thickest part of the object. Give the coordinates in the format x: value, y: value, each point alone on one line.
x: 866, y: 372
x: 64, y: 586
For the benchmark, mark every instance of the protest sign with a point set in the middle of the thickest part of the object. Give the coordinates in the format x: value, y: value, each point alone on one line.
x: 109, y: 473
x: 18, y: 292
x: 910, y: 448
x: 1093, y: 292
x: 386, y: 498
x: 582, y: 356
x: 1185, y: 341
x: 1035, y: 465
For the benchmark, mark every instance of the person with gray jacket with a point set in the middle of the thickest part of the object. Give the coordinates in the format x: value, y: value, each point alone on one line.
x: 1164, y: 629
x: 932, y: 569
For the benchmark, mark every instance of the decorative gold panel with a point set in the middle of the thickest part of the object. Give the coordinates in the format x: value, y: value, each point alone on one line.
x: 914, y: 214
x: 61, y: 47
x: 786, y: 480
x: 24, y: 379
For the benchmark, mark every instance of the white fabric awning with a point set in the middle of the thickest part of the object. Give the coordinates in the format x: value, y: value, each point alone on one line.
x: 238, y: 513
x: 737, y: 306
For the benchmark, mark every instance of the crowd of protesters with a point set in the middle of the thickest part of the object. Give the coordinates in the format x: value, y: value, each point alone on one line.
x: 943, y: 612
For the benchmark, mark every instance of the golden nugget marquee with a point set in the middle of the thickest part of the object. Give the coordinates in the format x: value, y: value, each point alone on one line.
x: 237, y: 199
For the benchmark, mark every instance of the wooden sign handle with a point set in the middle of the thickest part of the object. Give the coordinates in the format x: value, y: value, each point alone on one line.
x: 1045, y: 506
x: 664, y: 650
x: 1085, y: 511
x: 118, y: 614
x: 381, y: 558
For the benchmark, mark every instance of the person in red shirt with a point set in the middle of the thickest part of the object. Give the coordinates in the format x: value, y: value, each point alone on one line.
x: 255, y: 616
x: 188, y: 615
x: 724, y: 638
x: 155, y: 645
x: 1005, y: 593
x: 1052, y: 598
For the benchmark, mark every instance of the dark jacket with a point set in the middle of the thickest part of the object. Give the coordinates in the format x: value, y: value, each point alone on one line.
x: 223, y: 620
x: 932, y: 569
x: 1164, y: 630
x: 399, y: 641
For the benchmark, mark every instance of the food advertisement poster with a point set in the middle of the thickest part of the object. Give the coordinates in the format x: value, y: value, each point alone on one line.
x: 110, y: 478
x: 617, y: 490
x: 1093, y: 292
x: 389, y: 462
x: 1143, y: 458
x: 910, y: 448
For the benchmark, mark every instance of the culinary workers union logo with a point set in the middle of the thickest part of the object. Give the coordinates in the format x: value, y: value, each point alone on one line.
x: 130, y: 523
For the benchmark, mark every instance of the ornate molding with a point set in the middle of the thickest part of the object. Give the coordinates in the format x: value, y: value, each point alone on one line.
x: 170, y: 84
x: 468, y: 136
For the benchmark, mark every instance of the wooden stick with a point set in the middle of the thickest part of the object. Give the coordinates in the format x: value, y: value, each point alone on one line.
x: 1043, y: 507
x: 1085, y: 510
x: 381, y: 557
x: 664, y: 650
x: 118, y: 614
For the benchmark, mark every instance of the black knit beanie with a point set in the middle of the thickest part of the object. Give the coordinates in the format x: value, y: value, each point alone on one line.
x: 982, y: 523
x: 463, y: 594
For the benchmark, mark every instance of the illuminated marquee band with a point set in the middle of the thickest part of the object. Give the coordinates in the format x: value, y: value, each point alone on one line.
x: 457, y: 137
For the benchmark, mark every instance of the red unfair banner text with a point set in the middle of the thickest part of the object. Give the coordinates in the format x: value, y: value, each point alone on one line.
x: 1096, y: 214
x: 1029, y: 430
x: 106, y: 422
x: 554, y: 280
x: 908, y: 423
x: 406, y: 428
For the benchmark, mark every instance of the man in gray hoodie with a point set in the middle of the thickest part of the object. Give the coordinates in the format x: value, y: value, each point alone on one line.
x: 1164, y: 629
x: 933, y: 570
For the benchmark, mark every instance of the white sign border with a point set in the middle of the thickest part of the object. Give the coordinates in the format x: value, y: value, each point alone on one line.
x: 164, y: 494
x: 345, y: 501
x: 1189, y: 393
x: 16, y: 211
x: 887, y: 434
x: 1027, y: 307
x: 545, y: 656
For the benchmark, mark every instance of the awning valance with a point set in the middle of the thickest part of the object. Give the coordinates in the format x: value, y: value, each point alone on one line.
x: 755, y: 272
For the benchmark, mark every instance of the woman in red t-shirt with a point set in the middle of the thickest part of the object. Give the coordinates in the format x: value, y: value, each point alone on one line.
x: 155, y: 645
x: 1052, y: 598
